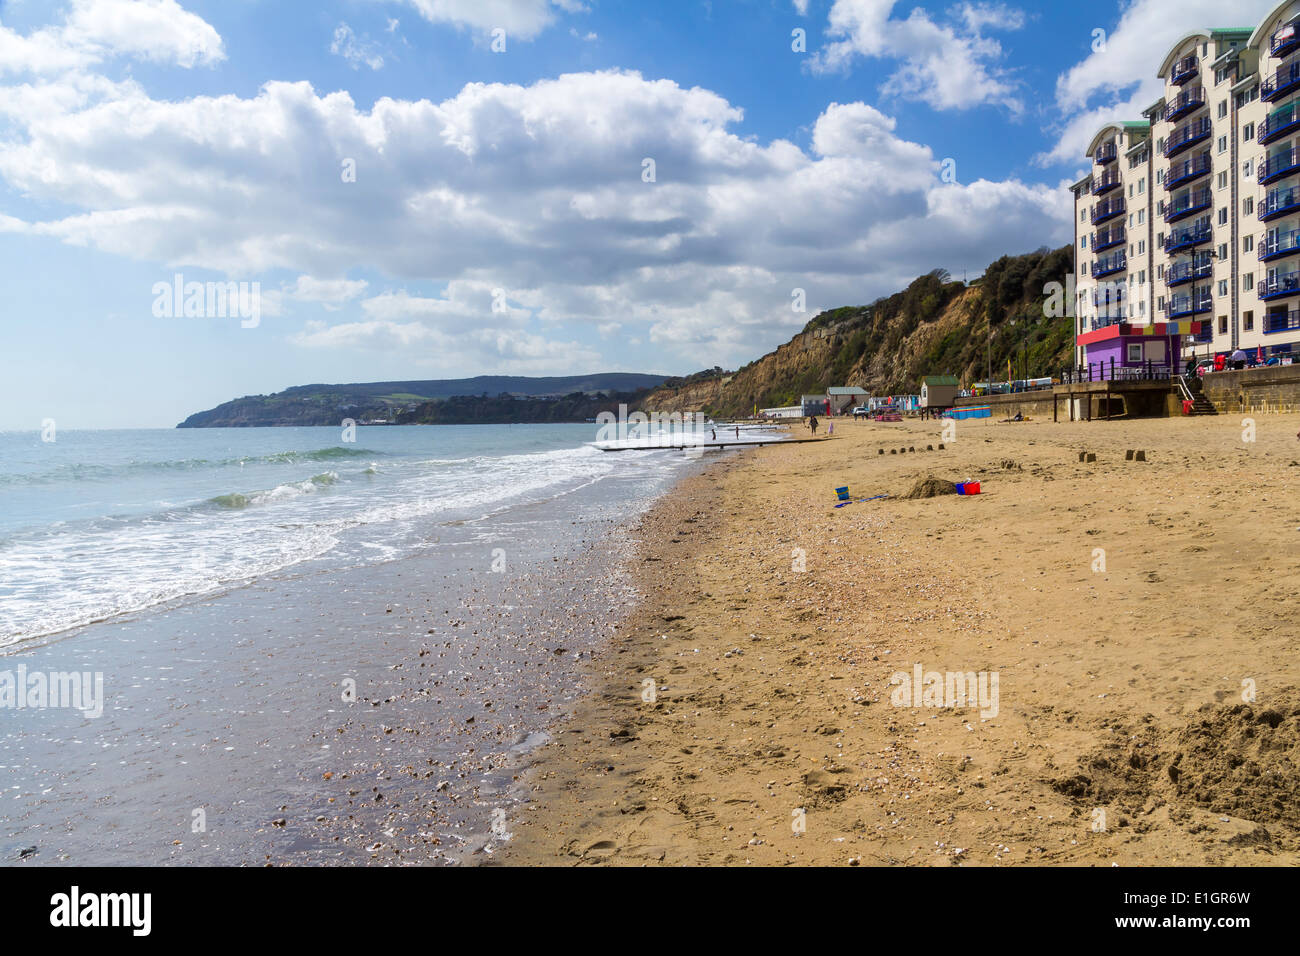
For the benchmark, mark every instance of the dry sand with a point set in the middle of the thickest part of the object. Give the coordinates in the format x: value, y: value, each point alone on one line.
x: 1121, y: 735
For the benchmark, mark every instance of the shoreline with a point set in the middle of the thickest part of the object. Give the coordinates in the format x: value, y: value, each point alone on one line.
x: 1120, y: 736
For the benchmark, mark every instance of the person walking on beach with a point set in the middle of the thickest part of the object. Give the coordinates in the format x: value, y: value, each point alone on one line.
x: 713, y: 432
x: 812, y: 423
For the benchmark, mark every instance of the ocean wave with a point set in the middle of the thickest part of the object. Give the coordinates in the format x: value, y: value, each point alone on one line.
x: 238, y: 501
x: 85, y: 471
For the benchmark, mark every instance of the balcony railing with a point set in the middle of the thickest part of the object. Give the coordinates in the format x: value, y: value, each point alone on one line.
x: 1188, y: 170
x: 1282, y: 82
x: 1285, y: 40
x: 1105, y: 154
x: 1278, y: 166
x: 1188, y: 237
x: 1277, y: 125
x: 1185, y: 136
x: 1180, y: 305
x: 1279, y: 203
x: 1184, y: 103
x: 1180, y: 207
x: 1281, y: 321
x: 1104, y: 184
x: 1184, y: 70
x: 1109, y: 265
x: 1106, y: 238
x: 1108, y: 210
x: 1201, y: 267
x: 1279, y: 285
x: 1278, y: 246
x: 1112, y: 371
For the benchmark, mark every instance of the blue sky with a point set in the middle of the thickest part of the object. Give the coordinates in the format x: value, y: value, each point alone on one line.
x: 500, y: 220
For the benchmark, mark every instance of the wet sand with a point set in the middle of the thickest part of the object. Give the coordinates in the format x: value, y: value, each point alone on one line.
x: 1126, y: 607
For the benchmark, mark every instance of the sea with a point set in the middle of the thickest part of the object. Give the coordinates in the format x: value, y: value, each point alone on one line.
x: 300, y: 645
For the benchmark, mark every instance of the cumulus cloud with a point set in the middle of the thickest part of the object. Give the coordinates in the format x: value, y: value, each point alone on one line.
x: 97, y: 30
x: 525, y: 204
x: 1117, y: 80
x: 954, y: 66
x: 521, y: 19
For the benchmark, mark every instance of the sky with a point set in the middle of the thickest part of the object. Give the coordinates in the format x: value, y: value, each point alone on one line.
x: 410, y: 189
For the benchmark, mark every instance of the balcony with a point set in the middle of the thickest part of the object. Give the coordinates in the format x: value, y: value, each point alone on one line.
x: 1282, y: 82
x: 1279, y: 203
x: 1106, y: 238
x: 1106, y: 183
x: 1180, y: 207
x: 1185, y: 69
x: 1285, y: 40
x: 1180, y: 240
x: 1182, y: 305
x: 1107, y: 210
x: 1206, y: 335
x: 1185, y: 102
x: 1278, y: 246
x: 1201, y: 267
x: 1109, y: 265
x: 1187, y: 171
x: 1279, y: 285
x: 1281, y: 321
x: 1278, y: 124
x: 1279, y: 166
x: 1105, y: 154
x: 1186, y: 136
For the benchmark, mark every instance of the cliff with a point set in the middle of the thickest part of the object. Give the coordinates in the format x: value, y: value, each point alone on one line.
x: 933, y: 327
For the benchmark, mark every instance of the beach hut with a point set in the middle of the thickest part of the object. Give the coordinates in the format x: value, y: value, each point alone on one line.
x: 939, y: 391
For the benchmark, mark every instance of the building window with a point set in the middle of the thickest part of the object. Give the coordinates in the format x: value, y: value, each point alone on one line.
x: 1223, y: 144
x: 1142, y: 247
x: 1223, y: 180
x: 1246, y: 168
x: 1223, y: 287
x: 1223, y: 251
x: 1248, y: 282
x: 1223, y: 107
x: 1248, y: 132
x: 1223, y: 324
x: 1134, y: 350
x: 1142, y: 185
x: 1083, y: 242
x: 1248, y: 243
x: 1160, y: 175
x: 1248, y: 205
x: 1247, y: 321
x: 1160, y: 271
x: 1142, y: 216
x: 1223, y: 216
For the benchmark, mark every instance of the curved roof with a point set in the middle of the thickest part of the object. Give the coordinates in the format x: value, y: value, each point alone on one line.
x: 1100, y: 134
x: 1257, y: 37
x: 1172, y: 55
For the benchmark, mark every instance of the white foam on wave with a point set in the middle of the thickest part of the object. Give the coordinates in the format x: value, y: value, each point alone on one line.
x: 57, y: 579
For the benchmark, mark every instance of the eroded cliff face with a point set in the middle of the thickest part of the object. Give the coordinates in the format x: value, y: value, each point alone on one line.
x: 807, y: 364
x: 934, y: 327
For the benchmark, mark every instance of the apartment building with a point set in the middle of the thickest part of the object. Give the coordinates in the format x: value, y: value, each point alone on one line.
x: 1187, y: 227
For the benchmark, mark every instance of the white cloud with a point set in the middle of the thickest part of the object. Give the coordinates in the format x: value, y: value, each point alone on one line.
x: 521, y: 19
x: 1118, y: 81
x: 355, y: 50
x: 97, y: 30
x: 946, y: 66
x: 533, y: 190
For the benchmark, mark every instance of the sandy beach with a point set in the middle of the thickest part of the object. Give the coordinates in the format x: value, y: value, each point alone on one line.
x: 1137, y: 616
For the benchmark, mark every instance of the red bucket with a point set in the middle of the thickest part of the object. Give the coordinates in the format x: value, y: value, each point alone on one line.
x: 971, y: 488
